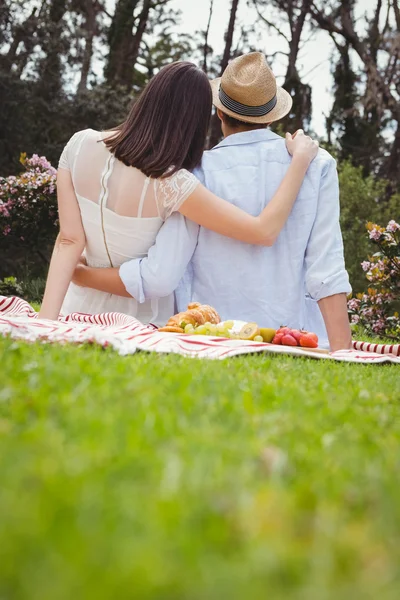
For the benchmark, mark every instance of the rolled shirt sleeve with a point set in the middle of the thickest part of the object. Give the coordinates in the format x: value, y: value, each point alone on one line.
x: 159, y: 273
x: 326, y: 273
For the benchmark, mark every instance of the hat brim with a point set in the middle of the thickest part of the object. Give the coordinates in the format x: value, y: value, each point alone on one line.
x: 282, y: 107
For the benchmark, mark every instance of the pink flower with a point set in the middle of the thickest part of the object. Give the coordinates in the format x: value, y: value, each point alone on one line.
x: 353, y: 304
x: 392, y: 226
x: 6, y: 230
x: 355, y: 319
x: 365, y: 265
x: 375, y: 234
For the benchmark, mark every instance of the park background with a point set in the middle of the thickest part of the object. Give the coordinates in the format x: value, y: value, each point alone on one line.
x: 158, y: 476
x: 66, y: 65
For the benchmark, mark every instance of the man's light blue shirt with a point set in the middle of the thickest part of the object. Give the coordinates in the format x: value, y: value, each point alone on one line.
x: 277, y: 285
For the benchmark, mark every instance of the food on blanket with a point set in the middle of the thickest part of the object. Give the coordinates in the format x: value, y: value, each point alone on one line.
x: 288, y: 340
x: 267, y: 334
x: 309, y: 340
x: 277, y: 339
x: 201, y: 319
x: 171, y: 329
x: 296, y: 334
x: 283, y: 330
x: 285, y: 336
x: 249, y: 331
x: 196, y: 314
x: 201, y: 330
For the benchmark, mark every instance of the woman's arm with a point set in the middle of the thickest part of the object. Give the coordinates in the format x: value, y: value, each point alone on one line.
x: 210, y: 211
x: 67, y: 250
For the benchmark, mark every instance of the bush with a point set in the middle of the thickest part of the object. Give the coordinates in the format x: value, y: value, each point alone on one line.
x: 9, y: 286
x: 377, y: 309
x: 362, y: 199
x: 28, y: 217
x: 31, y: 123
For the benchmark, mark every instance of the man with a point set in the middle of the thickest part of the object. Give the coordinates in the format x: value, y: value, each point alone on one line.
x: 301, y: 277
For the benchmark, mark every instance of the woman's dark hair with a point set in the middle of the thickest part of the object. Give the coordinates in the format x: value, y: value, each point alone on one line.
x: 167, y: 126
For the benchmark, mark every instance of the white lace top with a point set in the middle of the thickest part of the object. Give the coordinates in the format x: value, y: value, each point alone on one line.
x: 122, y: 211
x: 129, y: 192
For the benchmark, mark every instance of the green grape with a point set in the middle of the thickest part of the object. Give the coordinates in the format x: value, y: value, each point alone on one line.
x: 228, y: 324
x: 221, y: 327
x: 222, y: 333
x: 189, y: 328
x: 258, y: 338
x: 201, y: 330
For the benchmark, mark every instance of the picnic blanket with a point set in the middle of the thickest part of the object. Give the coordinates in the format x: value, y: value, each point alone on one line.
x: 127, y: 335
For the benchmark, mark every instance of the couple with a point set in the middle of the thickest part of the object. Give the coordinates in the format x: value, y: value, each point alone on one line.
x: 250, y: 227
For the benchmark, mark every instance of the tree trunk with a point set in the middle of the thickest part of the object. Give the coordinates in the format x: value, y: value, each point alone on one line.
x: 124, y: 46
x: 135, y: 45
x: 205, y: 47
x: 300, y: 92
x: 120, y: 39
x: 51, y: 70
x: 229, y: 37
x: 215, y: 134
x: 90, y: 31
x: 391, y: 167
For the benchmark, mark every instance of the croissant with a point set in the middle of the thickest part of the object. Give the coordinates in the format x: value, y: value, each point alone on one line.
x: 196, y: 314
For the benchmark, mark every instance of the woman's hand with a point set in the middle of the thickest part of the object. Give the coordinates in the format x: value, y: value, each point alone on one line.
x: 301, y: 146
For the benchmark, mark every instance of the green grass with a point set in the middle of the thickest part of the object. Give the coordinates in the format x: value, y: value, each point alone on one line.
x: 159, y: 477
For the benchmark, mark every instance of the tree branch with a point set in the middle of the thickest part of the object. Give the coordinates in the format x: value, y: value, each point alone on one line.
x: 205, y: 50
x: 267, y: 22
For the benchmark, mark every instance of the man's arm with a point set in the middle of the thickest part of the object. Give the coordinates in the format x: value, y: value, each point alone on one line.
x: 104, y: 280
x: 327, y: 280
x: 155, y: 276
x: 334, y: 313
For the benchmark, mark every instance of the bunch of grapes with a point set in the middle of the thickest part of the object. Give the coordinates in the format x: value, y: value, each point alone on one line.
x: 221, y: 330
x: 249, y: 332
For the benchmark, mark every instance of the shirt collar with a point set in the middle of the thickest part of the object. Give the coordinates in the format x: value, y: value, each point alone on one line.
x: 248, y: 137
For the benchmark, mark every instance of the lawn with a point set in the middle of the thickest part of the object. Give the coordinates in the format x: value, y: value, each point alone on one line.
x: 159, y: 477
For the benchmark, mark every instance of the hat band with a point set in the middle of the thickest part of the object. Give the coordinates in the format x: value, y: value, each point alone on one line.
x: 243, y: 109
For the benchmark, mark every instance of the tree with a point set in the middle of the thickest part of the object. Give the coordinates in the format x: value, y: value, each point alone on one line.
x: 53, y: 45
x: 215, y: 132
x: 124, y: 44
x: 90, y: 10
x: 344, y: 118
x: 118, y: 68
x: 206, y: 47
x: 378, y: 49
x: 163, y: 45
x: 293, y: 14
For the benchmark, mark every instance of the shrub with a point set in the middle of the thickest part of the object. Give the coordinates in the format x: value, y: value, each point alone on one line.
x: 9, y: 286
x: 28, y: 216
x: 377, y: 309
x: 362, y: 199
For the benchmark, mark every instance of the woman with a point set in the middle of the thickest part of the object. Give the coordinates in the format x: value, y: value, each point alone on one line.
x: 115, y: 189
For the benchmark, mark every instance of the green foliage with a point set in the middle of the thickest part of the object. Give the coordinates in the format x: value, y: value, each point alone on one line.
x: 164, y: 477
x: 9, y: 286
x: 33, y: 125
x: 362, y: 199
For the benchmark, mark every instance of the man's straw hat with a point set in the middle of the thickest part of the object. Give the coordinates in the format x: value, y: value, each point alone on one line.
x: 247, y: 91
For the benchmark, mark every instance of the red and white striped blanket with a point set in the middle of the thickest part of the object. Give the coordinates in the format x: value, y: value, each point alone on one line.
x: 126, y: 335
